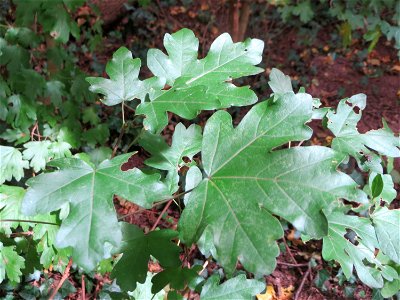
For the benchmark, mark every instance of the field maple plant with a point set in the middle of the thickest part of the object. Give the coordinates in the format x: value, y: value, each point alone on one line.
x: 235, y: 185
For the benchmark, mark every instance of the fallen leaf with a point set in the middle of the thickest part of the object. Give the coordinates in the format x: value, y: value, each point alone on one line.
x: 268, y: 295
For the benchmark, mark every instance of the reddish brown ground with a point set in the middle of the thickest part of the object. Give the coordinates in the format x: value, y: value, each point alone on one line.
x: 328, y: 73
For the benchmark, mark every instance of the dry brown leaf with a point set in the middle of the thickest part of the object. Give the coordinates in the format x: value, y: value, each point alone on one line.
x: 287, y: 293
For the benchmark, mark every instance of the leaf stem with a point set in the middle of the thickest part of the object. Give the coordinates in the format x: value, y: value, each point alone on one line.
x: 123, y: 112
x: 28, y: 221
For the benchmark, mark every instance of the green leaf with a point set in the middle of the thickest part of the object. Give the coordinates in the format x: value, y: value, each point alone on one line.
x: 387, y: 192
x: 355, y: 250
x: 89, y: 192
x: 377, y: 186
x: 124, y: 84
x: 390, y: 288
x: 10, y: 204
x: 247, y: 182
x: 182, y: 48
x: 143, y: 290
x: 185, y: 143
x: 137, y: 248
x: 21, y: 113
x: 176, y: 277
x: 11, y: 263
x: 203, y: 84
x: 12, y: 164
x: 387, y: 225
x: 343, y: 125
x: 236, y: 288
x: 279, y: 82
x: 55, y: 91
x: 40, y: 152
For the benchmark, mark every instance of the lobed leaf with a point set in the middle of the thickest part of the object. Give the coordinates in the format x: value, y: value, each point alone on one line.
x: 12, y: 164
x: 356, y: 250
x: 89, y: 191
x: 137, y: 248
x: 124, y: 84
x: 185, y: 143
x: 203, y: 84
x: 235, y: 288
x: 387, y: 225
x: 248, y: 181
x: 11, y: 264
x: 343, y: 124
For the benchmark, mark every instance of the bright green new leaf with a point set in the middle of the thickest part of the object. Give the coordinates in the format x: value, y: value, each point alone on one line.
x: 203, y: 84
x: 343, y: 124
x: 89, y: 192
x: 124, y: 84
x: 236, y: 288
x: 247, y: 182
x: 40, y: 152
x: 143, y: 290
x: 387, y: 225
x: 185, y: 143
x: 11, y: 164
x: 355, y: 249
x: 10, y: 263
x: 137, y: 248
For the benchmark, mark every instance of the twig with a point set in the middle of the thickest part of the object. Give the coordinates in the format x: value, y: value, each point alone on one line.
x: 155, y: 204
x: 292, y: 265
x: 63, y: 278
x: 160, y: 216
x: 121, y: 133
x: 28, y: 233
x: 297, y: 295
x: 291, y: 255
x: 135, y: 140
x: 28, y: 221
x: 83, y: 288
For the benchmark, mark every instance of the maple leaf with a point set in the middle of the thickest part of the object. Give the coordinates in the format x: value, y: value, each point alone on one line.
x: 89, y: 190
x: 247, y: 181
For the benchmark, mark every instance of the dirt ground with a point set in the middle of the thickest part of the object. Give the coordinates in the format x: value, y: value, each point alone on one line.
x: 327, y: 73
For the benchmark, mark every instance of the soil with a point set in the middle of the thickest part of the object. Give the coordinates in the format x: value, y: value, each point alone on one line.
x: 327, y: 72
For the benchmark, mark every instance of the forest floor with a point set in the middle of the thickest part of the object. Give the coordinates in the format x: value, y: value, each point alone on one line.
x: 314, y: 59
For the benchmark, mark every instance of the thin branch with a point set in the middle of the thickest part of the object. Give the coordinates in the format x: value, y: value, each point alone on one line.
x: 155, y: 204
x: 63, y: 278
x: 291, y: 255
x: 292, y: 265
x: 83, y: 287
x: 135, y: 140
x: 28, y: 233
x: 160, y: 216
x: 28, y: 221
x: 298, y: 292
x: 121, y: 134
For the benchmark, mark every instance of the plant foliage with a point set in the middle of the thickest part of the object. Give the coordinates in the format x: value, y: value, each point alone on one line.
x: 240, y: 182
